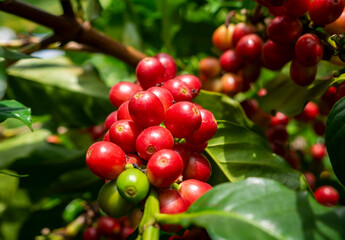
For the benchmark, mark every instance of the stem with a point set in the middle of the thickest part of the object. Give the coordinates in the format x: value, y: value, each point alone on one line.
x: 148, y: 227
x: 67, y: 8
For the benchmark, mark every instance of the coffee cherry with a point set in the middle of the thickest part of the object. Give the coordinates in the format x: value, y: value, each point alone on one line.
x: 277, y: 133
x: 275, y: 55
x: 164, y: 96
x: 330, y: 95
x: 338, y: 26
x: 210, y: 67
x: 146, y: 109
x: 276, y: 11
x: 164, y: 168
x: 311, y: 179
x: 123, y: 112
x: 327, y: 195
x: 183, y: 151
x: 192, y: 189
x: 241, y: 29
x: 274, y: 2
x: 150, y: 72
x: 293, y: 159
x: 196, y: 147
x: 198, y: 168
x: 179, y: 90
x: 111, y: 118
x: 318, y: 151
x: 319, y: 127
x: 153, y: 139
x: 296, y: 8
x: 323, y: 12
x: 248, y: 48
x: 133, y: 158
x: 105, y: 159
x: 284, y: 29
x: 207, y: 129
x: 111, y: 202
x: 340, y: 93
x: 301, y: 75
x: 279, y: 119
x: 308, y: 50
x: 182, y: 119
x: 222, y: 37
x: 249, y: 73
x: 91, y: 233
x: 171, y: 202
x: 122, y: 92
x: 106, y: 137
x: 108, y: 226
x: 192, y: 82
x: 231, y: 84
x: 278, y: 148
x: 309, y: 113
x: 230, y: 62
x: 124, y: 133
x: 133, y: 185
x: 169, y: 64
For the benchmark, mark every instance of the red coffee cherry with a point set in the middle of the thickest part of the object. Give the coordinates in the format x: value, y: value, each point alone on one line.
x: 248, y: 48
x: 338, y: 26
x: 340, y: 93
x: 249, y: 73
x: 319, y: 127
x: 296, y: 8
x: 192, y: 82
x: 275, y: 55
x: 153, y: 139
x: 146, y: 109
x: 279, y: 119
x: 309, y: 113
x: 207, y: 129
x: 183, y: 151
x: 293, y: 159
x: 198, y: 168
x: 108, y: 226
x: 231, y: 83
x: 222, y: 37
x: 323, y: 12
x: 133, y: 158
x: 171, y: 202
x: 179, y: 90
x: 278, y: 148
x: 105, y: 159
x: 123, y: 112
x: 210, y: 67
x: 284, y: 29
x: 124, y: 133
x: 150, y: 72
x: 230, y: 62
x: 164, y: 96
x: 318, y: 151
x: 164, y: 168
x: 330, y: 95
x: 169, y: 64
x: 311, y: 179
x: 106, y: 137
x: 196, y: 147
x: 122, y: 92
x: 301, y: 75
x: 308, y: 50
x: 91, y: 233
x: 182, y: 119
x: 192, y: 189
x: 241, y: 29
x: 111, y: 118
x: 327, y: 195
x: 277, y: 133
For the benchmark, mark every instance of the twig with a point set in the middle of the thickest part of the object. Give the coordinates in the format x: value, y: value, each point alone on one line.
x: 67, y: 8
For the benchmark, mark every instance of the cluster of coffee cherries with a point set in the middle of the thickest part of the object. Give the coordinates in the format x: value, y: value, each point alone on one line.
x: 155, y: 138
x: 301, y: 155
x: 297, y: 32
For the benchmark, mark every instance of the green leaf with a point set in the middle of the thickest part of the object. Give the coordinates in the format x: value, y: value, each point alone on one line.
x: 73, y: 209
x: 258, y: 208
x: 241, y: 153
x: 13, y: 174
x: 14, y: 109
x: 223, y: 107
x: 73, y: 95
x: 12, y: 55
x: 285, y: 96
x: 93, y: 9
x: 335, y: 138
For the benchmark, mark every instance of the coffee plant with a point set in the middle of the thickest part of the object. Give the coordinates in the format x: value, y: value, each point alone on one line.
x: 172, y: 119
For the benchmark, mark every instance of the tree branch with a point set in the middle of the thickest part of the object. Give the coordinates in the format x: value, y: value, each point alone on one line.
x: 72, y: 29
x: 67, y: 8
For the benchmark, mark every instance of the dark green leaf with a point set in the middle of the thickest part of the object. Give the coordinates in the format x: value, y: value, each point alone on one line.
x: 12, y: 55
x: 258, y: 208
x: 241, y: 153
x: 73, y: 95
x: 13, y: 174
x: 14, y: 109
x: 93, y: 9
x: 335, y: 139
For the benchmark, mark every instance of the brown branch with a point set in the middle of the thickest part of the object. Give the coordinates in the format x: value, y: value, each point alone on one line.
x: 67, y: 8
x: 73, y: 29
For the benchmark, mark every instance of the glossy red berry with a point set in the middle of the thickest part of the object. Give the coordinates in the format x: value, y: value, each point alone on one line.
x: 301, y: 75
x: 309, y: 113
x: 279, y: 119
x: 210, y: 67
x: 105, y: 159
x: 111, y: 118
x: 192, y: 189
x: 108, y: 226
x: 308, y: 50
x: 179, y: 90
x: 122, y: 92
x: 123, y: 112
x: 241, y: 29
x: 198, y: 168
x: 330, y: 95
x: 169, y: 64
x: 340, y: 93
x: 248, y: 48
x: 153, y: 139
x: 277, y: 133
x: 182, y: 119
x: 222, y: 37
x: 91, y: 233
x: 124, y: 133
x: 196, y: 147
x: 230, y: 62
x: 293, y: 159
x: 319, y: 127
x: 150, y: 72
x: 231, y: 83
x: 323, y: 12
x: 327, y: 195
x: 296, y: 8
x: 318, y: 151
x: 311, y: 179
x: 164, y: 96
x: 275, y: 55
x: 284, y: 29
x: 183, y: 151
x: 338, y: 26
x: 164, y: 168
x: 146, y: 109
x: 192, y: 82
